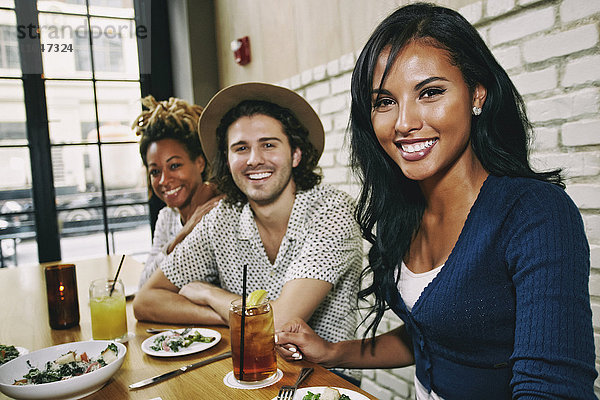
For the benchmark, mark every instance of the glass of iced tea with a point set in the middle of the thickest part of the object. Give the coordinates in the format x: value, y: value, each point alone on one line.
x: 260, y: 361
x: 109, y: 320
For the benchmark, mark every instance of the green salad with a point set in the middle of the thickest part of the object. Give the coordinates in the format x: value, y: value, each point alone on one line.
x: 7, y: 353
x: 175, y: 341
x: 67, y: 366
x: 328, y: 394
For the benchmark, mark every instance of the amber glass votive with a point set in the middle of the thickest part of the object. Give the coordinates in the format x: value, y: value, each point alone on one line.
x: 61, y: 290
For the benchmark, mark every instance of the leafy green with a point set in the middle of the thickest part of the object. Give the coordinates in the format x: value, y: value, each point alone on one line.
x: 8, y: 353
x: 312, y: 396
x: 176, y: 342
x: 53, y: 371
x: 113, y: 347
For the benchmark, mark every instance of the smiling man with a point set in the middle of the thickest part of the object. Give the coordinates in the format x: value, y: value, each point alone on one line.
x: 298, y: 238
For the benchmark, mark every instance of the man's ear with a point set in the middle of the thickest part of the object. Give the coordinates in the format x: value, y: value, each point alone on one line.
x: 296, y: 157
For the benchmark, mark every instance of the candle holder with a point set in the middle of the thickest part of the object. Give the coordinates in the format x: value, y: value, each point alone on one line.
x: 61, y: 290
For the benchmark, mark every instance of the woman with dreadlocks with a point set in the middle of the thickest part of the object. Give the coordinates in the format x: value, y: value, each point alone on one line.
x: 172, y: 154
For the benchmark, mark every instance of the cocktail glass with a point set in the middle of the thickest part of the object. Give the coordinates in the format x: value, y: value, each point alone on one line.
x: 260, y: 361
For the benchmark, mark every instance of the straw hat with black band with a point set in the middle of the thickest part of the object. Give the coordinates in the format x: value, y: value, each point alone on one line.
x: 231, y: 96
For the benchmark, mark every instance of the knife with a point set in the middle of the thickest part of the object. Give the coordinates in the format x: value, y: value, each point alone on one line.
x: 186, y: 368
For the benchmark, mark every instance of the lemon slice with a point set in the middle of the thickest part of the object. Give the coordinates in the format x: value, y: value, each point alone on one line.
x: 256, y: 297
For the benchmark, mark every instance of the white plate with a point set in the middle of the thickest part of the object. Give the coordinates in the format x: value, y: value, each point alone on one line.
x: 22, y: 350
x: 193, y: 348
x: 73, y: 388
x: 301, y: 392
x: 130, y: 291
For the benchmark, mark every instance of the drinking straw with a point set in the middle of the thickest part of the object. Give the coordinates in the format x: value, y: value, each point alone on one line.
x: 243, y: 322
x: 116, y: 276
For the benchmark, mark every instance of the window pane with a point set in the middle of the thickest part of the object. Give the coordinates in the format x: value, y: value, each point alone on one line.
x: 75, y: 172
x: 65, y: 46
x: 71, y: 114
x: 16, y: 168
x: 67, y: 6
x: 127, y: 234
x: 17, y: 224
x: 129, y: 229
x: 124, y: 173
x: 119, y: 103
x: 12, y: 114
x: 112, y: 8
x: 7, y: 3
x: 82, y: 230
x: 82, y: 234
x: 114, y: 48
x: 78, y: 201
x: 9, y: 48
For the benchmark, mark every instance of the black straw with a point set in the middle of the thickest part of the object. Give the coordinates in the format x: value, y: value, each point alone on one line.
x: 116, y: 275
x: 243, y: 322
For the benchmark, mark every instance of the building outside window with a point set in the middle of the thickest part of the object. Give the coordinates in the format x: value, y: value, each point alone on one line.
x: 91, y: 89
x: 9, y: 49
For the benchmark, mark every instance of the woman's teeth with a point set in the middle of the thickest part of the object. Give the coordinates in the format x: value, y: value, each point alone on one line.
x: 412, y: 148
x: 260, y: 176
x: 172, y: 191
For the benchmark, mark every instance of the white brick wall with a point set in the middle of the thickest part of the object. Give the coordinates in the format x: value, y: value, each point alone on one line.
x: 521, y: 25
x: 571, y: 10
x: 551, y: 51
x: 582, y: 132
x: 536, y: 81
x: 584, y: 70
x: 560, y: 43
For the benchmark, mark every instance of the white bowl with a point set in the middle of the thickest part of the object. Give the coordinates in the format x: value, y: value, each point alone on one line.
x: 72, y: 388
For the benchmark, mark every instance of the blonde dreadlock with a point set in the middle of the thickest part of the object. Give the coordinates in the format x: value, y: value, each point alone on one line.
x: 176, y: 113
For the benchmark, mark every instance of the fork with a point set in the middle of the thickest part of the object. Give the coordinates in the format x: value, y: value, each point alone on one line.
x: 287, y: 392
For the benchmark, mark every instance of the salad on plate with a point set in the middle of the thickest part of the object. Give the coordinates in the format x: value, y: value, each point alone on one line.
x: 67, y: 366
x: 329, y: 393
x: 175, y: 341
x: 180, y: 342
x: 8, y: 353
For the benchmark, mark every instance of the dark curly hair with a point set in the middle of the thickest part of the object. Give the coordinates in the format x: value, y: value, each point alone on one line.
x: 306, y: 175
x: 171, y: 119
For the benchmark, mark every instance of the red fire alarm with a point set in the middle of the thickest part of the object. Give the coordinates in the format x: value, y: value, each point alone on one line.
x: 241, y: 50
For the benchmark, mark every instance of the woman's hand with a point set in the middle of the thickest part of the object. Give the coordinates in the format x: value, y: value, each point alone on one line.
x: 199, y: 212
x: 202, y: 210
x: 296, y: 340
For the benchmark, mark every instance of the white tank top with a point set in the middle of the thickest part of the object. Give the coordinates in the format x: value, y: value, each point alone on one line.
x: 410, y: 286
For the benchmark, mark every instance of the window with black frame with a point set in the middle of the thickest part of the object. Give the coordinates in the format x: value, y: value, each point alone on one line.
x: 92, y: 87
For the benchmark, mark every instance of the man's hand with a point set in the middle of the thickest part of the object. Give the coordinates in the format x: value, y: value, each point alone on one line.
x: 197, y: 292
x: 214, y: 297
x: 158, y: 300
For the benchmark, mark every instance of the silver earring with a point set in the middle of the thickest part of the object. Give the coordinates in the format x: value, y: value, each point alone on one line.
x: 476, y: 110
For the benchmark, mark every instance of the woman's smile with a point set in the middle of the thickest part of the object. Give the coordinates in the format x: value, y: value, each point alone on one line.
x: 415, y: 149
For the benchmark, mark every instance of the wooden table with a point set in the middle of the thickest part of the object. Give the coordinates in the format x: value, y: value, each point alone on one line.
x: 24, y: 322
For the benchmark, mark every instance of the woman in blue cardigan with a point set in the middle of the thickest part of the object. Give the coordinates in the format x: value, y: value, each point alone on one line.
x: 485, y: 260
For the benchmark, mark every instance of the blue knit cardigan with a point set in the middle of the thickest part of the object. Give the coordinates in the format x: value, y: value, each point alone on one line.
x: 509, y: 314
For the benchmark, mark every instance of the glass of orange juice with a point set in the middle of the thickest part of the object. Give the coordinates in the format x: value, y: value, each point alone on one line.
x: 109, y: 320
